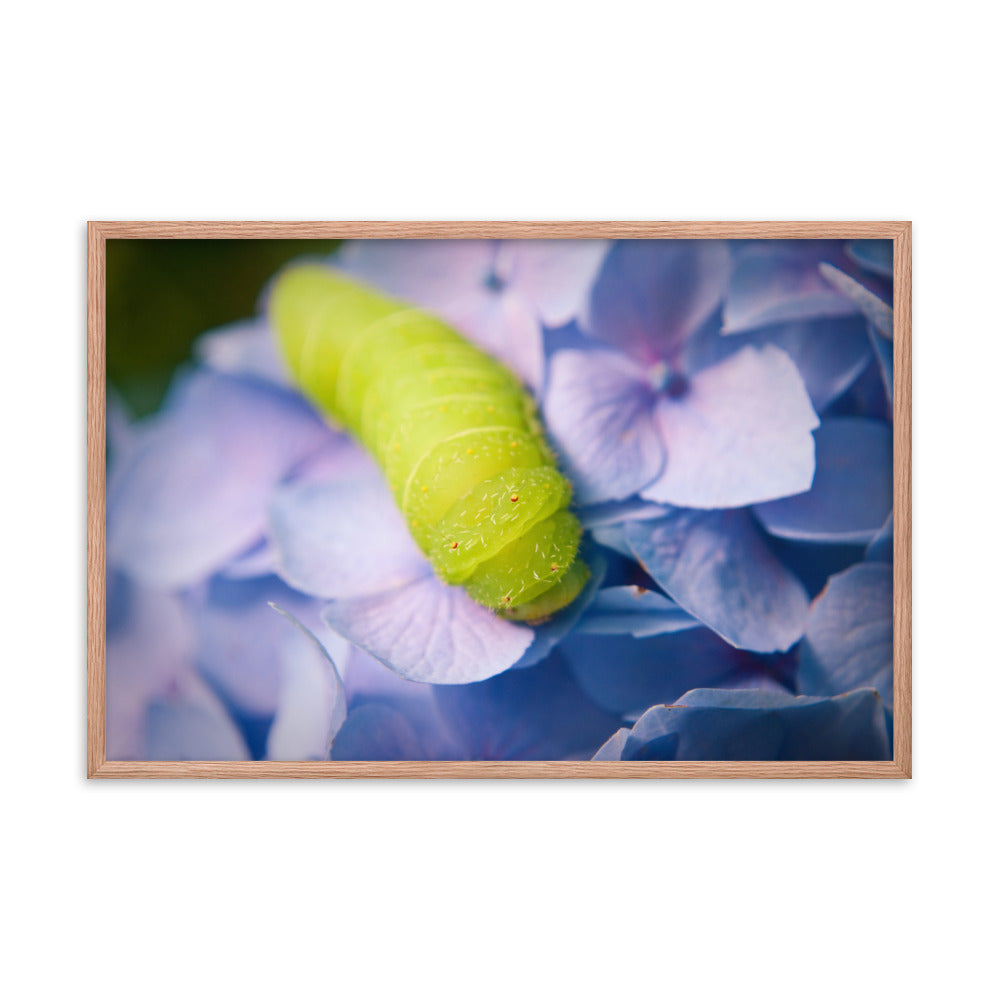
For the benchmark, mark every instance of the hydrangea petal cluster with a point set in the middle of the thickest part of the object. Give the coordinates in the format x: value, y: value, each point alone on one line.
x: 756, y: 725
x: 723, y: 411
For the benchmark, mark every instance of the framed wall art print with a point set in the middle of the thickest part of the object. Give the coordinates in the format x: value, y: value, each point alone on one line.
x: 499, y: 499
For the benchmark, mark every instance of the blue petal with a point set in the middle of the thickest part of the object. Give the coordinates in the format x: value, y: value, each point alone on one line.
x: 878, y: 312
x: 634, y: 611
x: 651, y: 295
x: 365, y: 679
x: 343, y: 538
x: 612, y: 536
x: 626, y: 675
x: 240, y: 638
x: 150, y: 653
x: 760, y: 725
x: 313, y: 704
x: 505, y: 326
x: 606, y: 522
x: 428, y: 631
x: 851, y: 495
x: 599, y: 411
x: 535, y: 714
x: 777, y: 283
x: 553, y: 276
x: 848, y: 641
x: 369, y: 682
x: 192, y: 728
x: 814, y: 562
x: 883, y: 351
x: 619, y: 512
x: 866, y: 397
x: 717, y: 566
x: 880, y: 549
x: 246, y: 348
x: 339, y: 459
x: 120, y: 429
x: 873, y: 255
x: 431, y: 273
x: 849, y: 727
x: 194, y: 492
x: 377, y: 732
x: 257, y: 561
x: 741, y: 434
x: 829, y: 354
x: 612, y: 749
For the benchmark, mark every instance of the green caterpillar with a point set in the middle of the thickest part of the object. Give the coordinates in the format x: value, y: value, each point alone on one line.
x: 455, y: 433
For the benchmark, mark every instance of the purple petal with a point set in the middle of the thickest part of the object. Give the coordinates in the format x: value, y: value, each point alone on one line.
x: 883, y: 351
x: 554, y: 276
x: 431, y: 273
x: 881, y: 546
x: 343, y: 538
x: 758, y: 725
x: 717, y: 566
x: 377, y: 732
x: 383, y: 731
x: 341, y: 458
x: 158, y: 708
x: 626, y: 675
x: 259, y: 560
x: 536, y: 714
x: 872, y: 255
x: 599, y: 411
x: 194, y: 493
x: 778, y: 283
x: 740, y: 435
x: 848, y: 642
x: 867, y: 397
x: 241, y: 639
x: 606, y: 522
x: 365, y: 679
x: 369, y: 682
x: 150, y: 652
x: 246, y: 348
x: 613, y: 748
x: 506, y: 327
x: 428, y: 631
x: 619, y: 512
x: 313, y: 705
x: 120, y: 429
x: 651, y: 295
x: 613, y: 536
x: 192, y: 726
x: 878, y: 312
x: 634, y: 611
x: 829, y: 354
x: 851, y: 495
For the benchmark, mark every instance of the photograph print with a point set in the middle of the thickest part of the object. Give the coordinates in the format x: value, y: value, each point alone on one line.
x: 424, y: 500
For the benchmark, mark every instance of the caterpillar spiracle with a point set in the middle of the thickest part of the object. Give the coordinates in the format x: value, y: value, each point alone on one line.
x: 454, y: 432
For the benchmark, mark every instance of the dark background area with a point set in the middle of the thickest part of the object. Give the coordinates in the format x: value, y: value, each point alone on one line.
x: 162, y: 294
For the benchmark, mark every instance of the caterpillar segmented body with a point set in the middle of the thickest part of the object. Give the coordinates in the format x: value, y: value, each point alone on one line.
x: 455, y: 433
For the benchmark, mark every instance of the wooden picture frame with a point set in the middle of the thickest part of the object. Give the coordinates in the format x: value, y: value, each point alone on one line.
x: 99, y: 232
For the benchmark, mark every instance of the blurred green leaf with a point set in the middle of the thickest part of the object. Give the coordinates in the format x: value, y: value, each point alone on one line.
x: 161, y: 294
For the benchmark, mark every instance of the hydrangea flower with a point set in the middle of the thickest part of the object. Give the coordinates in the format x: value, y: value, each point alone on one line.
x: 756, y: 725
x: 721, y: 408
x: 500, y: 294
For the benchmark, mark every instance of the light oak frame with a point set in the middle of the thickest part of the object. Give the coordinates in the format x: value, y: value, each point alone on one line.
x: 99, y: 232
